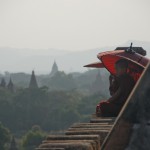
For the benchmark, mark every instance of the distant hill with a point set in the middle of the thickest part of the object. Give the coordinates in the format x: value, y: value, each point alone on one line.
x: 41, y: 60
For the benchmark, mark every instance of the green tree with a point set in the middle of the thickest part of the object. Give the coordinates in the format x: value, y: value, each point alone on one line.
x: 61, y: 81
x: 33, y: 138
x: 6, y: 107
x: 88, y: 104
x: 32, y: 106
x: 4, y: 136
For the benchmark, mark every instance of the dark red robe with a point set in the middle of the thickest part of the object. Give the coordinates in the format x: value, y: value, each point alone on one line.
x: 113, y: 105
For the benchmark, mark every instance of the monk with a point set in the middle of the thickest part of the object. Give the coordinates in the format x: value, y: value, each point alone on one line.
x: 120, y: 87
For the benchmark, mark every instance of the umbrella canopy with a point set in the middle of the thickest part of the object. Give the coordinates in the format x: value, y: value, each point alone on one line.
x: 136, y: 61
x: 95, y: 65
x: 109, y: 59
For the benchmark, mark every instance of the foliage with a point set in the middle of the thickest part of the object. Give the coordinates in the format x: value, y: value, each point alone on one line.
x: 4, y: 136
x: 53, y: 108
x: 33, y: 138
x: 61, y: 81
x: 5, y: 106
x: 62, y: 100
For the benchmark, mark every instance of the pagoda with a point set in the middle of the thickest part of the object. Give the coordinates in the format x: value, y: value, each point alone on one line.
x: 10, y: 86
x: 54, y: 69
x: 3, y: 83
x: 33, y: 83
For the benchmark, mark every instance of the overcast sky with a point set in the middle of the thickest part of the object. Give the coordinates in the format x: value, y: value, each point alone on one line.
x: 73, y: 24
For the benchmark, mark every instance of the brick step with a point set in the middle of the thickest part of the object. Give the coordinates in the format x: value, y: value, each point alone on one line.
x: 53, y: 140
x: 89, y: 123
x: 80, y: 136
x: 95, y: 144
x: 100, y: 120
x: 50, y: 149
x: 77, y: 145
x: 90, y: 126
x: 93, y: 116
x: 86, y: 132
x: 101, y: 133
x: 73, y: 137
x: 82, y: 129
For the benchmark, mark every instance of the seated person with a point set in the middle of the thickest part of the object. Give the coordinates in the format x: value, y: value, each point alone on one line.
x: 113, y: 84
x: 120, y: 87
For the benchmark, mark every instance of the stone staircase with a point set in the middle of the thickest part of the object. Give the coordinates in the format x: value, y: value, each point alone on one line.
x: 80, y: 136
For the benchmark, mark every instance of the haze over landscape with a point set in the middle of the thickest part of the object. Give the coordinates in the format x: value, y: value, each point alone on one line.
x: 39, y: 97
x: 41, y: 60
x: 72, y: 32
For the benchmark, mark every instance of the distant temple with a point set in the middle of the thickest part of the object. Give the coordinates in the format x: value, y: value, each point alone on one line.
x: 10, y: 86
x: 54, y: 69
x: 3, y: 83
x: 13, y: 144
x: 33, y: 83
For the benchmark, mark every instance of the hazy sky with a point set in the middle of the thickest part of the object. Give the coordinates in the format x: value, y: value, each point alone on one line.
x: 73, y: 24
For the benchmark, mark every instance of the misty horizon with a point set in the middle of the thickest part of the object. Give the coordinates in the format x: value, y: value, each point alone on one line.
x: 41, y: 60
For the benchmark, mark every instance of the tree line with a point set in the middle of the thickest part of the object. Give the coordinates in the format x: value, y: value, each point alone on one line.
x: 30, y: 114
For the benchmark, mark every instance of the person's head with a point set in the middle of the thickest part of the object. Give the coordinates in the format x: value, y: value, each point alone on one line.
x: 121, y: 66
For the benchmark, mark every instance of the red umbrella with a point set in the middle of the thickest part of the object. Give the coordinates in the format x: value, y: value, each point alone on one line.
x: 137, y: 62
x: 109, y: 58
x: 95, y: 65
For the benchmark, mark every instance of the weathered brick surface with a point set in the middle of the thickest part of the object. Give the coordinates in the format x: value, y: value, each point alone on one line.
x: 70, y: 145
x: 102, y: 120
x: 91, y: 126
x: 73, y: 137
x: 93, y: 139
x: 80, y: 136
x: 91, y: 123
x: 94, y: 144
x: 50, y: 149
x: 101, y: 133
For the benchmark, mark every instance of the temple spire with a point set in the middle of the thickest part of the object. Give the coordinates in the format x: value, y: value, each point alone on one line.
x: 33, y: 82
x: 54, y: 69
x: 3, y: 83
x: 10, y: 85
